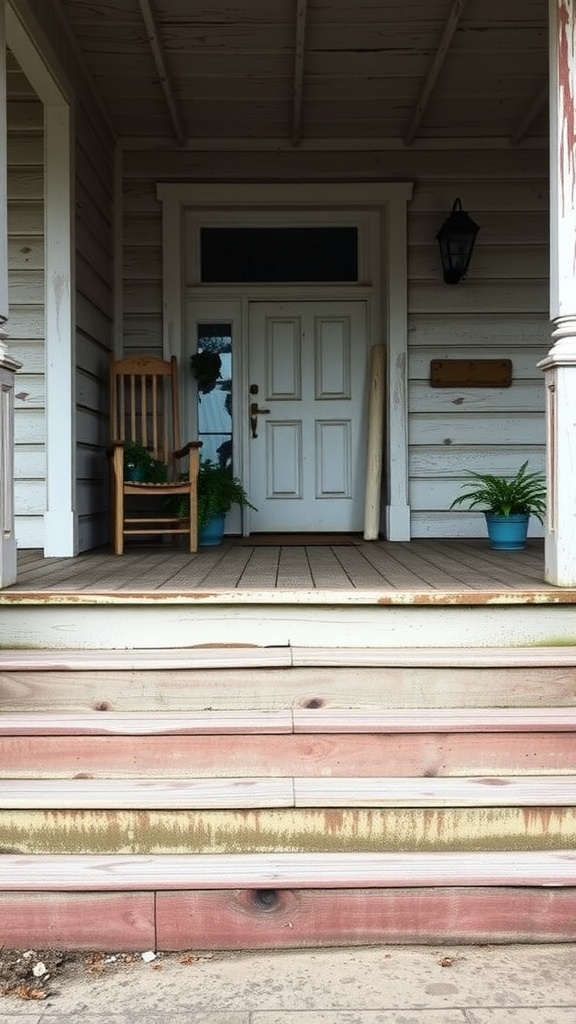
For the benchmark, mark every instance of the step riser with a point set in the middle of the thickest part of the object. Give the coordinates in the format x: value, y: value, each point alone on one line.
x: 363, y: 830
x: 96, y: 624
x: 275, y: 689
x: 297, y: 918
x: 342, y: 755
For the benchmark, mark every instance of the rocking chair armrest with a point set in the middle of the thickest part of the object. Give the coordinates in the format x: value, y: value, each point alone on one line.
x: 190, y: 446
x: 113, y: 447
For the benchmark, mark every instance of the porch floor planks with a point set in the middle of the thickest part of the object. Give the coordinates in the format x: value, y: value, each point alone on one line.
x: 436, y: 568
x: 261, y: 569
x: 326, y: 568
x: 294, y: 569
x: 224, y: 569
x: 406, y: 570
x: 368, y: 569
x: 359, y: 569
x: 467, y: 572
x: 526, y: 565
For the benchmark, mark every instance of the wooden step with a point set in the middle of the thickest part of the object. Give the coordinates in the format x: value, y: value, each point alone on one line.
x: 277, y: 618
x: 297, y: 720
x: 271, y: 871
x: 249, y: 656
x: 287, y: 830
x: 84, y: 686
x: 257, y: 901
x: 496, y: 791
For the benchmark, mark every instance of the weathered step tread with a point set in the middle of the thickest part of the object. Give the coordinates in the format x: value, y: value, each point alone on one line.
x: 61, y: 873
x: 297, y: 720
x: 144, y: 723
x: 435, y: 657
x: 490, y: 791
x: 434, y: 720
x: 223, y: 794
x: 140, y: 794
x: 138, y: 660
x: 283, y: 657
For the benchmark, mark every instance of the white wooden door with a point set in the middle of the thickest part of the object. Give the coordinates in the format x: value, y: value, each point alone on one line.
x: 307, y: 368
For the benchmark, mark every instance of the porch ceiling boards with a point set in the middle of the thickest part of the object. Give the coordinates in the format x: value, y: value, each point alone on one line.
x: 316, y: 73
x: 377, y: 572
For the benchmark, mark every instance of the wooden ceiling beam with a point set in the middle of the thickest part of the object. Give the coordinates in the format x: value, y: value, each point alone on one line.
x: 434, y: 70
x: 159, y: 54
x: 299, y: 51
x: 532, y: 111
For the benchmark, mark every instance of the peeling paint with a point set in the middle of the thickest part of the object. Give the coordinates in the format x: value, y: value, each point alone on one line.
x: 362, y: 830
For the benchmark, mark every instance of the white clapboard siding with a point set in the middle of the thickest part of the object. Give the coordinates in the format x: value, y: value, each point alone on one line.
x: 477, y: 429
x: 487, y: 334
x: 458, y: 524
x: 29, y: 391
x: 26, y: 296
x: 454, y: 461
x: 30, y: 462
x: 25, y: 183
x: 523, y: 396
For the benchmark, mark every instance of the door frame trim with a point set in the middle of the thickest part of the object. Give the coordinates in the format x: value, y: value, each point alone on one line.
x: 388, y: 201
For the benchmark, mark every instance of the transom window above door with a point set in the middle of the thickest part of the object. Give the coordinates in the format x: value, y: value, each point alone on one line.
x: 250, y: 255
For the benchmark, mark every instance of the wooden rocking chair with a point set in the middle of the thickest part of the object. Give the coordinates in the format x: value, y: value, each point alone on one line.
x: 144, y: 412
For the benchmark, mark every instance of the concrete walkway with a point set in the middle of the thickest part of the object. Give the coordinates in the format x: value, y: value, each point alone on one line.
x: 518, y: 984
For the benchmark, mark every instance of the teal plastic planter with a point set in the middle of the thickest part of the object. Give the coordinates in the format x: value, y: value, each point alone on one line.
x: 211, y: 534
x: 507, y: 533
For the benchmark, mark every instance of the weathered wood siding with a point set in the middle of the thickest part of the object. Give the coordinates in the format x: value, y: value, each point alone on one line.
x: 94, y: 325
x: 93, y: 269
x: 26, y: 324
x: 501, y: 311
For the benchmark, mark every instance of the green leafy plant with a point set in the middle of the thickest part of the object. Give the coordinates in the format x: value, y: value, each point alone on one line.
x: 140, y: 465
x: 522, y: 494
x: 218, y: 491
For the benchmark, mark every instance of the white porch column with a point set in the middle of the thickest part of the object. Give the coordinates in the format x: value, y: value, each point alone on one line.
x: 560, y: 364
x: 8, y: 366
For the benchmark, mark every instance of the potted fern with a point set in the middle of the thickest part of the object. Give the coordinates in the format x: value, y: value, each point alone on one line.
x: 218, y: 491
x: 140, y: 466
x: 507, y: 503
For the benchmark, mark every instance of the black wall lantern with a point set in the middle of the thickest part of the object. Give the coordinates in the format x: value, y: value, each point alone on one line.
x: 456, y: 240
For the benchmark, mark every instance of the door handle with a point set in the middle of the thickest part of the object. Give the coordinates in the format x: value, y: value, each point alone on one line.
x: 254, y: 412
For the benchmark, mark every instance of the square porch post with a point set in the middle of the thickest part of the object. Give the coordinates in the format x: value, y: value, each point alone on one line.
x: 559, y: 366
x: 8, y: 366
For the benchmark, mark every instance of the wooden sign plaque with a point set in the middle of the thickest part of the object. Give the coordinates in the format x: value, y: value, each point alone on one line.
x: 471, y: 373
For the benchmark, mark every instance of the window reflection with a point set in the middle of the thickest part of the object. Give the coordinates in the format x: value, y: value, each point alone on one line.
x: 212, y: 367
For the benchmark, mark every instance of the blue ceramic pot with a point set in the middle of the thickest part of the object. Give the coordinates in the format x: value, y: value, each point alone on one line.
x: 211, y: 534
x: 507, y: 533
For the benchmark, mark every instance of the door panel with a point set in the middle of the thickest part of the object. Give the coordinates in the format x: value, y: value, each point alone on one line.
x: 307, y: 365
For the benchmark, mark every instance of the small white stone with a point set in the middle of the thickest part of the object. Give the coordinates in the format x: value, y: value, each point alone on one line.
x: 39, y: 970
x: 148, y: 957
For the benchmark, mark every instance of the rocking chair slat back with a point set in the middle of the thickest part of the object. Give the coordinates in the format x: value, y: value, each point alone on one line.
x: 144, y: 409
